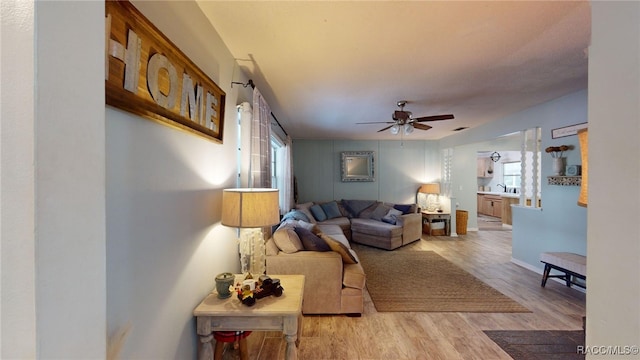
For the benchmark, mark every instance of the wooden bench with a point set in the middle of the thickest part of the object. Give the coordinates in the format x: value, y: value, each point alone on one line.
x: 572, y: 265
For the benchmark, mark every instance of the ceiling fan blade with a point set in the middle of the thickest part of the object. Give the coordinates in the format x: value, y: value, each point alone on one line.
x: 434, y: 118
x: 376, y: 122
x: 421, y: 126
x: 387, y: 128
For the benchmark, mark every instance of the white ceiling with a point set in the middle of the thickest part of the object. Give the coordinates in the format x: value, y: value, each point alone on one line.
x: 324, y: 66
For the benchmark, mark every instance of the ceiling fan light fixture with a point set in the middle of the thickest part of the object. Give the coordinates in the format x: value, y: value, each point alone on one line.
x: 408, y: 129
x: 395, y: 129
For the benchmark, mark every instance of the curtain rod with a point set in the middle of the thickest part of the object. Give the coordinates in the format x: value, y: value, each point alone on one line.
x: 253, y: 86
x: 278, y: 122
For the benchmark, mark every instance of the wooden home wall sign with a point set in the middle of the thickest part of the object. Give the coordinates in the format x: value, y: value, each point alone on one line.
x: 146, y: 74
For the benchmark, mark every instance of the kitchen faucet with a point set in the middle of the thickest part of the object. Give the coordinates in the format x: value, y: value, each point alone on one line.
x: 503, y: 186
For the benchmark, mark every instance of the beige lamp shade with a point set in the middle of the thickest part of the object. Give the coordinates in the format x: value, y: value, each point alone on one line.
x: 250, y: 208
x: 430, y: 188
x: 583, y: 138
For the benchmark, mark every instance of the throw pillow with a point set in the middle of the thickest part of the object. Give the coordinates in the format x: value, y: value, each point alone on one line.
x: 287, y: 240
x: 295, y: 215
x: 271, y: 248
x: 310, y: 241
x: 331, y: 209
x: 318, y: 213
x: 287, y: 223
x: 392, y: 216
x: 305, y: 210
x: 406, y: 209
x: 304, y: 224
x: 380, y: 212
x: 339, y: 247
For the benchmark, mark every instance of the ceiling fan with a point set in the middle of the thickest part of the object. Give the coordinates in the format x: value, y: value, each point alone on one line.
x: 404, y: 120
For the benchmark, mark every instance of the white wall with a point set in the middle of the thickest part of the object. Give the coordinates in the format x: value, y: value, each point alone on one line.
x: 53, y: 258
x: 17, y: 182
x: 165, y: 243
x: 613, y: 294
x: 105, y: 223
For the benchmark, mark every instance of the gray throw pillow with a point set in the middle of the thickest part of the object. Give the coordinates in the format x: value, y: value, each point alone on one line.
x: 380, y: 212
x: 310, y: 241
x: 318, y: 213
x: 331, y: 209
x: 392, y: 216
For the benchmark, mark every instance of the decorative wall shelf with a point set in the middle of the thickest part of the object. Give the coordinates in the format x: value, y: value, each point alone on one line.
x: 564, y: 180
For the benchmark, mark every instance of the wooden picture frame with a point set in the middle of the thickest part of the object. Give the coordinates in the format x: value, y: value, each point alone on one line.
x: 146, y: 74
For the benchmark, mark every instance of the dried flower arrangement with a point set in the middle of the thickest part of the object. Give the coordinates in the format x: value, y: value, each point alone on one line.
x: 557, y: 151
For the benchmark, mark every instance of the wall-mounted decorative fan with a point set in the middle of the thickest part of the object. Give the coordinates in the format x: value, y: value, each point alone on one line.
x: 404, y: 120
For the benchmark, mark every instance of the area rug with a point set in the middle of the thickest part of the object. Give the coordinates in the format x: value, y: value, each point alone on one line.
x: 540, y: 344
x: 423, y: 281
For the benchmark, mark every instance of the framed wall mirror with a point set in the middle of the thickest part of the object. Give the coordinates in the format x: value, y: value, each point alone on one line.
x: 357, y: 166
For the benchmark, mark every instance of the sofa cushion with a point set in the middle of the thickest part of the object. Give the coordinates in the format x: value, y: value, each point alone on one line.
x: 340, y: 248
x: 331, y: 209
x: 310, y: 241
x: 318, y: 213
x: 305, y: 210
x: 332, y: 227
x: 287, y: 240
x: 392, y: 216
x: 375, y: 228
x: 342, y: 222
x: 355, y: 207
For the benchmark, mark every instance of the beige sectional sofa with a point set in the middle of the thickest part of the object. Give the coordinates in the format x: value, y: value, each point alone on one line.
x: 335, y: 280
x: 331, y: 286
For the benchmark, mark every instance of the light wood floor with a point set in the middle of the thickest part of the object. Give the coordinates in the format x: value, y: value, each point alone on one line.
x: 447, y: 336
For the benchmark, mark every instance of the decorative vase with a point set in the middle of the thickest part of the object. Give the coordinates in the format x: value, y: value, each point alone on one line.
x: 224, y: 282
x: 558, y: 166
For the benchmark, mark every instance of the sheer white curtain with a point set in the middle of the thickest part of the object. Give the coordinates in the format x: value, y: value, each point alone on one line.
x: 286, y: 194
x: 260, y: 143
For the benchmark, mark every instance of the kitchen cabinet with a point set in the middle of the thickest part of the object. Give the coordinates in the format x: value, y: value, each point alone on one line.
x: 506, y: 208
x: 490, y: 205
x: 485, y: 168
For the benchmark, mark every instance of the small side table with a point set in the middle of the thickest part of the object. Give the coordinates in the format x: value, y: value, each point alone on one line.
x: 282, y: 313
x: 430, y: 216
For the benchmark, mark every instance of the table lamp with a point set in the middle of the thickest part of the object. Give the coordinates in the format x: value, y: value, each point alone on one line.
x: 250, y: 210
x: 583, y: 138
x: 430, y: 190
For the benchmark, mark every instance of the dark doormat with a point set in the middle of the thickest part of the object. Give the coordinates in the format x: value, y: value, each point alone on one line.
x: 539, y: 344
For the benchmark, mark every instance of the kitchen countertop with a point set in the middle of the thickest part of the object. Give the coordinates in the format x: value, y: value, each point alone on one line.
x: 498, y: 193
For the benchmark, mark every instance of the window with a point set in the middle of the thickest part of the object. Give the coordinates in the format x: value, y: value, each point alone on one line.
x: 511, y: 172
x: 275, y: 148
x: 277, y: 170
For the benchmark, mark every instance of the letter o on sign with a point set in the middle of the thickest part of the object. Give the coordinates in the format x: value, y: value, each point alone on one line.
x: 156, y: 63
